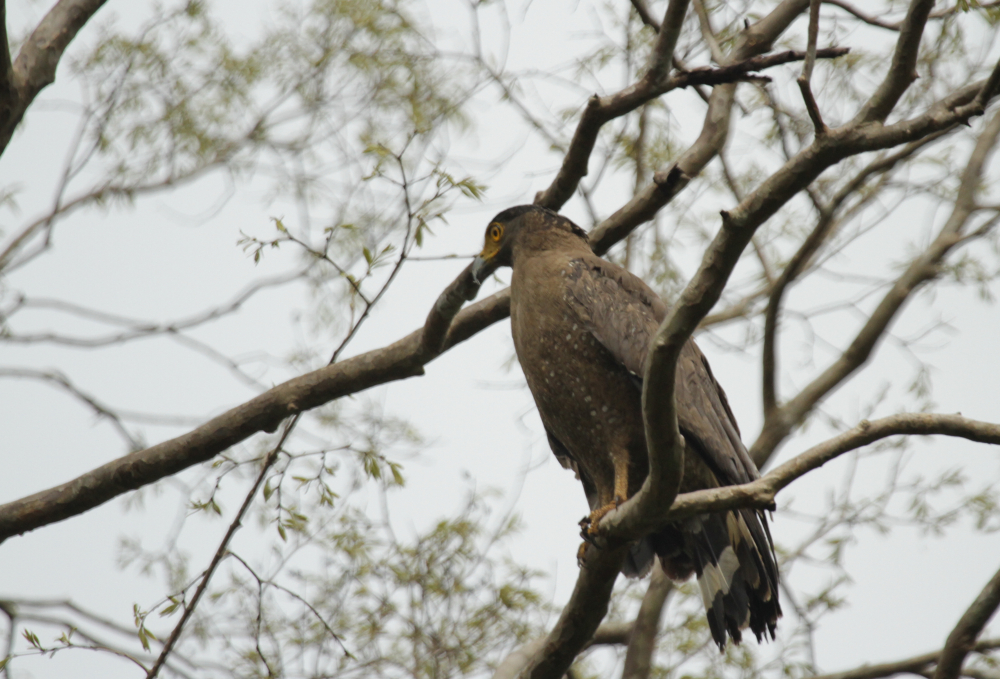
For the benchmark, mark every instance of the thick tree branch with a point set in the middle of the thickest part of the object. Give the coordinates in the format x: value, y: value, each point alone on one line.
x: 35, y: 66
x: 581, y: 616
x: 963, y: 638
x: 402, y: 359
x: 902, y: 70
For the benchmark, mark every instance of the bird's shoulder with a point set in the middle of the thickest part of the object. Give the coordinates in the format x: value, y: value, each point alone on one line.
x: 597, y: 282
x: 616, y: 306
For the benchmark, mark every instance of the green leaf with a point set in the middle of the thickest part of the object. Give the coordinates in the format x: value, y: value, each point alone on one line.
x: 368, y: 255
x: 396, y: 475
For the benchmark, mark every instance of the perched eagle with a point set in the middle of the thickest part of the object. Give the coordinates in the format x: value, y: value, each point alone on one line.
x: 582, y: 328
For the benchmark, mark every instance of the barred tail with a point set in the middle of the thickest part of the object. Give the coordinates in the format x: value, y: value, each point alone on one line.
x: 734, y: 560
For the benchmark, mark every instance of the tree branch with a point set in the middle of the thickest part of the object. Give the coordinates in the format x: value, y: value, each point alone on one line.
x: 8, y: 93
x: 600, y: 110
x: 645, y: 16
x: 780, y: 420
x: 805, y: 79
x: 642, y: 641
x: 402, y: 359
x: 902, y: 70
x: 895, y: 26
x: 826, y: 225
x: 916, y: 664
x: 35, y: 66
x: 963, y: 637
x: 761, y: 493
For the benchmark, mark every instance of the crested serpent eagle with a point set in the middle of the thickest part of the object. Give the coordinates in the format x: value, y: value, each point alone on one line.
x: 582, y: 328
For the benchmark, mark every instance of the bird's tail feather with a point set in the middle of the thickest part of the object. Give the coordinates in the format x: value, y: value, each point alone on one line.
x: 734, y: 562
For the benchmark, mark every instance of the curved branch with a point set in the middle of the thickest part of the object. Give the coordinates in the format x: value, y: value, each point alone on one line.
x: 599, y: 110
x: 580, y: 617
x: 35, y: 66
x: 761, y: 493
x: 917, y: 664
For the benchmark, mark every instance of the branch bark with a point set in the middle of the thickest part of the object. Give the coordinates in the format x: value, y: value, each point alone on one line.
x: 35, y: 66
x: 963, y: 637
x: 642, y: 641
x: 402, y: 359
x: 902, y: 70
x: 760, y: 494
x: 916, y: 664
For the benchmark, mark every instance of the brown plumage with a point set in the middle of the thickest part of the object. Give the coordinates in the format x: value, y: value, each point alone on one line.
x: 582, y: 328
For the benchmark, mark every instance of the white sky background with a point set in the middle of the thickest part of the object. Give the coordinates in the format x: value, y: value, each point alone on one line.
x: 168, y: 258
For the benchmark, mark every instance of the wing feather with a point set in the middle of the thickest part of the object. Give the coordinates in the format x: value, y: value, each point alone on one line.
x: 623, y: 314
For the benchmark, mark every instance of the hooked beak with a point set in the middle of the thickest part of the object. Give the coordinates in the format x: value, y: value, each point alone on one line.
x: 480, y: 269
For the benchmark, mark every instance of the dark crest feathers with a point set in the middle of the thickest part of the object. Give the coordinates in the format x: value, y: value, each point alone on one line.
x: 514, y: 212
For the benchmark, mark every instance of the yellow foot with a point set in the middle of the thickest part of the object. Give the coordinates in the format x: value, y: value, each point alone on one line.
x: 589, y: 524
x: 581, y: 553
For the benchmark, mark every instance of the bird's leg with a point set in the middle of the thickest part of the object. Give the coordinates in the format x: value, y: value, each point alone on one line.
x: 590, y: 523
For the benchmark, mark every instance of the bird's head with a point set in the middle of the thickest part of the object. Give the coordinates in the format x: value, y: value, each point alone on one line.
x: 509, y: 227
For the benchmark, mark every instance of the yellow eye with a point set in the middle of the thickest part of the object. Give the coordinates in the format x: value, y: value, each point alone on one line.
x: 496, y: 232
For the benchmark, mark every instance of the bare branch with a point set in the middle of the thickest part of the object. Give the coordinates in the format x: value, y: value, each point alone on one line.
x: 35, y: 66
x: 895, y: 26
x: 867, y: 18
x: 645, y: 16
x: 825, y: 226
x: 761, y: 493
x: 580, y: 618
x: 63, y: 382
x: 916, y: 664
x: 963, y: 637
x: 924, y: 268
x: 655, y: 83
x: 902, y: 70
x: 608, y: 634
x: 642, y: 642
x: 601, y: 109
x: 805, y: 79
x: 405, y: 358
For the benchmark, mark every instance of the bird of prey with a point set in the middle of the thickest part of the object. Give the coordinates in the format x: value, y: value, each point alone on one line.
x: 582, y: 328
